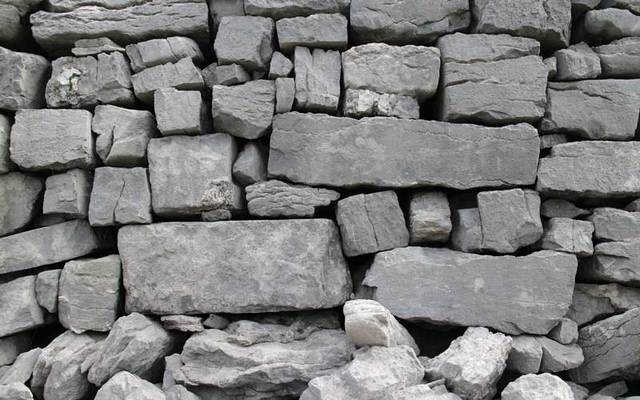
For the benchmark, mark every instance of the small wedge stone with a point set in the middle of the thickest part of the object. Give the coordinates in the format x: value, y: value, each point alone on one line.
x: 68, y: 194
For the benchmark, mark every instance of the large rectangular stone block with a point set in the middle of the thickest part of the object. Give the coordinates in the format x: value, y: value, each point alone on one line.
x: 322, y: 150
x: 233, y: 267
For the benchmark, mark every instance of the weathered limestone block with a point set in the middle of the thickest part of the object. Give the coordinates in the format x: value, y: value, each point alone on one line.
x: 245, y: 110
x: 178, y: 112
x: 5, y: 132
x: 182, y: 323
x: 620, y: 58
x: 22, y: 369
x: 162, y: 51
x: 135, y: 344
x: 122, y: 135
x: 93, y: 47
x: 183, y: 75
x: 12, y: 346
x: 547, y: 21
x: 405, y: 70
x: 324, y: 31
x: 224, y: 8
x: 19, y: 196
x: 631, y: 5
x: 89, y: 296
x: 537, y: 387
x: 13, y: 33
x: 606, y: 347
x: 15, y: 391
x: 203, y: 183
x: 468, y: 48
x: 365, y: 103
x: 559, y: 357
x: 407, y: 22
x: 592, y: 302
x: 227, y: 75
x: 614, y: 262
x: 114, y: 79
x: 566, y: 332
x: 280, y: 66
x: 23, y: 80
x: 320, y: 150
x: 21, y: 310
x: 245, y: 40
x: 568, y: 235
x: 317, y: 79
x: 525, y: 355
x: 576, y: 62
x: 48, y: 245
x: 301, y: 255
x: 594, y: 109
x: 466, y: 234
x: 591, y: 169
x: 68, y: 194
x: 120, y: 196
x: 547, y: 141
x: 560, y: 208
x: 277, y: 9
x: 371, y: 222
x: 251, y: 165
x: 429, y: 217
x: 285, y: 94
x: 515, y: 295
x: 124, y: 385
x: 47, y: 289
x: 52, y: 140
x: 611, y: 23
x: 614, y: 224
x: 472, y: 364
x: 275, y: 198
x: 179, y: 392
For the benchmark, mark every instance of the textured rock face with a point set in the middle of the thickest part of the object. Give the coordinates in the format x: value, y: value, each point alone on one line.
x: 467, y: 230
x: 15, y: 391
x: 162, y: 51
x: 178, y: 112
x: 275, y: 198
x: 280, y: 66
x: 251, y: 164
x: 469, y: 48
x: 12, y: 346
x: 317, y: 75
x: 47, y: 289
x: 429, y: 217
x: 611, y: 23
x: 22, y: 311
x: 246, y: 41
x: 525, y: 355
x: 5, y: 132
x: 23, y: 79
x: 303, y: 255
x: 365, y: 103
x: 537, y: 387
x: 92, y: 47
x: 512, y: 294
x: 614, y: 262
x: 560, y: 208
x: 19, y: 194
x: 578, y: 61
x: 557, y: 357
x: 68, y: 194
x: 120, y: 196
x: 183, y: 75
x: 407, y: 22
x: 568, y: 235
x: 344, y: 152
x: 325, y: 31
x: 125, y: 385
x: 614, y: 224
x: 592, y: 302
x: 22, y: 369
x: 620, y: 58
x: 293, y: 8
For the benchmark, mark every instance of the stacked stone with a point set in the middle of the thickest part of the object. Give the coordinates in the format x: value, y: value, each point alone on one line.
x: 270, y: 199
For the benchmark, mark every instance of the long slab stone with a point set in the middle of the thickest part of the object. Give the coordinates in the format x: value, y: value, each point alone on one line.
x: 321, y: 150
x: 198, y: 267
x: 515, y: 295
x: 48, y: 245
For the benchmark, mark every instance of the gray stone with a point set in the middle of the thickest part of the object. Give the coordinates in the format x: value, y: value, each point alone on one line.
x: 67, y: 194
x: 525, y: 355
x: 469, y: 48
x: 12, y: 346
x: 591, y: 169
x: 227, y: 75
x: 15, y: 391
x: 303, y: 255
x: 631, y: 5
x: 404, y: 70
x: 317, y: 79
x: 275, y: 198
x: 429, y: 217
x: 364, y: 103
x: 179, y: 392
x: 23, y: 80
x: 21, y: 310
x: 407, y: 22
x: 162, y: 51
x: 547, y: 21
x: 510, y: 219
x: 54, y: 140
x: 566, y: 332
x: 515, y: 295
x: 285, y: 94
x: 22, y: 369
x: 634, y: 206
x: 251, y: 164
x: 552, y: 66
x: 178, y: 112
x: 593, y: 109
x: 19, y: 196
x: 579, y: 392
x: 620, y: 58
x: 568, y: 235
x: 614, y: 224
x: 578, y: 8
x: 560, y: 208
x: 120, y: 196
x: 592, y: 302
x: 123, y: 135
x: 370, y: 223
x: 466, y: 234
x: 13, y: 32
x: 559, y: 357
x: 47, y: 289
x: 576, y: 62
x: 216, y: 322
x: 611, y: 23
x: 498, y: 92
x: 615, y: 389
x: 93, y: 47
x: 135, y: 344
x: 294, y: 8
x: 321, y: 150
x: 614, y: 262
x: 606, y: 345
x: 48, y: 245
x: 537, y: 387
x: 280, y: 66
x: 224, y: 8
x: 182, y: 323
x: 360, y: 379
x: 124, y: 386
x: 429, y: 391
x: 23, y: 6
x: 183, y: 75
x: 549, y: 140
x: 245, y: 40
x: 89, y: 295
x: 5, y: 132
x: 203, y: 184
x: 325, y: 31
x: 245, y: 110
x: 114, y: 79
x: 369, y: 323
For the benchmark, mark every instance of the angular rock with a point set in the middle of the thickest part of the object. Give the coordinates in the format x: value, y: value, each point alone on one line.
x: 15, y: 391
x: 568, y: 235
x: 472, y: 364
x: 135, y: 344
x: 280, y: 66
x: 224, y: 8
x: 68, y: 194
x: 592, y: 302
x: 576, y: 62
x: 560, y: 208
x: 114, y: 79
x: 614, y: 224
x: 614, y: 262
x: 547, y: 21
x: 23, y: 80
x: 183, y: 75
x: 606, y: 345
x: 317, y: 79
x: 558, y: 357
x: 275, y: 198
x: 429, y: 217
x: 469, y: 48
x: 525, y: 355
x: 122, y: 135
x: 245, y: 110
x: 407, y: 22
x: 320, y: 150
x: 227, y: 75
x: 364, y: 103
x: 49, y: 245
x: 215, y: 321
x: 13, y: 32
x: 324, y: 31
x: 124, y: 385
x: 251, y: 164
x: 93, y: 47
x: 277, y: 9
x: 245, y: 40
x: 579, y: 392
x: 5, y: 132
x: 552, y: 66
x: 515, y: 295
x: 285, y: 94
x: 47, y: 289
x: 549, y: 140
x: 52, y: 140
x: 178, y: 112
x: 590, y: 169
x: 566, y: 332
x: 182, y: 323
x: 19, y: 196
x: 179, y: 392
x: 404, y: 70
x: 634, y: 206
x: 120, y: 196
x: 304, y: 256
x: 12, y: 346
x: 537, y: 387
x: 203, y: 184
x: 611, y: 23
x: 615, y: 389
x: 162, y: 51
x: 21, y: 309
x: 620, y: 58
x: 22, y: 369
x: 466, y: 234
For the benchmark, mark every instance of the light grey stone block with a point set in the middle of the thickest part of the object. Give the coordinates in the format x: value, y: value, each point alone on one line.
x: 22, y: 369
x: 568, y: 235
x: 429, y: 217
x: 364, y: 103
x: 114, y: 80
x: 560, y: 208
x: 120, y: 196
x: 525, y: 355
x: 251, y: 164
x: 612, y: 224
x: 537, y: 387
x: 227, y: 75
x: 23, y: 80
x: 93, y: 47
x: 124, y: 385
x: 611, y: 23
x: 273, y: 198
x: 566, y: 332
x: 277, y: 9
x: 162, y: 51
x: 480, y: 47
x: 285, y: 94
x: 15, y: 391
x: 466, y: 234
x: 620, y: 58
x: 614, y: 262
x: 552, y: 139
x: 317, y: 75
x: 245, y: 40
x: 324, y: 31
x: 12, y: 346
x: 183, y: 75
x: 592, y: 302
x: 576, y: 62
x: 19, y: 195
x: 178, y: 112
x: 280, y: 66
x: 21, y: 309
x: 557, y: 357
x: 68, y: 194
x: 224, y: 8
x: 182, y: 323
x: 47, y: 289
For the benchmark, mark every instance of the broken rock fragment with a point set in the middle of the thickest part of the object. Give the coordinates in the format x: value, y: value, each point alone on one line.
x: 12, y: 346
x: 614, y: 262
x: 566, y: 332
x: 364, y: 103
x: 227, y: 75
x: 15, y: 391
x: 429, y: 217
x: 47, y: 289
x: 183, y: 75
x: 124, y: 385
x: 611, y: 23
x: 612, y: 224
x: 285, y: 94
x: 21, y: 309
x: 557, y: 357
x: 68, y: 194
x: 277, y: 9
x: 568, y: 235
x: 620, y: 58
x: 324, y: 31
x: 576, y: 62
x: 19, y: 196
x: 251, y: 164
x: 162, y: 51
x: 182, y: 323
x: 178, y: 112
x: 592, y: 302
x: 537, y: 387
x: 22, y: 369
x: 93, y: 47
x: 245, y: 40
x: 466, y: 234
x: 275, y: 198
x: 317, y: 75
x: 525, y: 355
x: 23, y: 80
x: 280, y: 66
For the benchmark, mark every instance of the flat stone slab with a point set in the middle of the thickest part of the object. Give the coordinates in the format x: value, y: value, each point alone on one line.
x: 321, y: 150
x: 161, y: 51
x: 325, y: 31
x: 275, y: 198
x: 515, y: 295
x: 294, y: 265
x: 277, y: 9
x: 611, y: 23
x: 467, y: 48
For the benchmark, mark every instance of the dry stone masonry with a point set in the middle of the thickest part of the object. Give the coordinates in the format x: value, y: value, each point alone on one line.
x: 319, y: 199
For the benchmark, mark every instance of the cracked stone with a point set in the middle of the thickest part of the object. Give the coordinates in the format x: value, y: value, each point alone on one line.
x: 21, y: 309
x: 183, y: 75
x: 324, y: 31
x: 68, y: 194
x: 525, y: 355
x: 162, y: 51
x: 19, y: 196
x: 364, y: 103
x: 576, y: 62
x: 559, y: 357
x: 537, y: 387
x: 251, y: 164
x: 614, y: 262
x: 317, y: 75
x: 620, y: 58
x: 275, y: 198
x: 277, y: 9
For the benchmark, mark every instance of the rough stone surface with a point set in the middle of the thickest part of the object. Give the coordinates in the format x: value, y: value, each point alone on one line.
x: 470, y: 48
x: 429, y: 217
x: 515, y: 295
x: 620, y: 58
x: 47, y: 289
x: 23, y: 80
x: 178, y: 112
x: 251, y: 164
x: 182, y: 323
x: 183, y: 75
x: 68, y: 194
x: 245, y: 40
x: 120, y: 196
x: 285, y: 94
x: 275, y: 198
x: 22, y: 369
x: 576, y: 62
x: 568, y: 235
x: 466, y: 234
x: 293, y: 8
x: 549, y: 140
x: 13, y: 32
x: 537, y: 387
x: 227, y: 75
x: 366, y: 103
x: 179, y: 392
x: 525, y: 355
x: 15, y: 391
x: 92, y: 47
x: 317, y: 75
x: 19, y: 195
x: 566, y: 332
x: 124, y: 386
x: 21, y: 310
x: 324, y: 31
x: 611, y: 23
x: 560, y: 208
x: 162, y: 51
x: 5, y: 132
x: 592, y: 302
x: 12, y: 346
x: 280, y: 66
x: 614, y: 262
x: 559, y: 357
x: 614, y: 224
